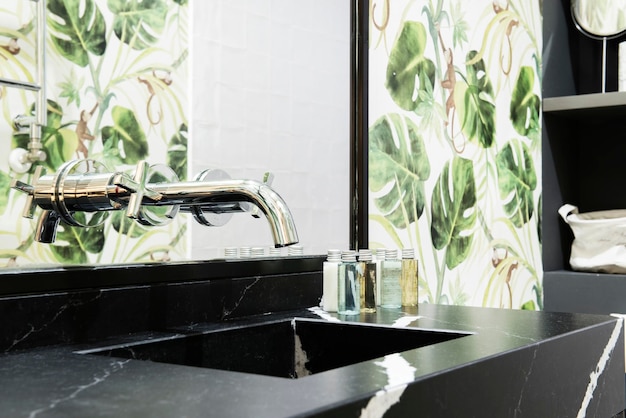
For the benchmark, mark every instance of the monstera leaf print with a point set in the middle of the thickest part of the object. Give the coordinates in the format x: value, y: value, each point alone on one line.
x: 408, y: 70
x: 138, y: 23
x: 5, y: 183
x: 539, y: 223
x: 77, y: 28
x: 177, y: 152
x: 517, y: 180
x: 525, y: 105
x: 76, y: 243
x: 475, y: 104
x: 453, y: 212
x: 397, y: 156
x: 126, y: 226
x: 125, y: 139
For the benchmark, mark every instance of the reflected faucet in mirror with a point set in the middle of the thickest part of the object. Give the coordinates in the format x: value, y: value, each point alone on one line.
x: 83, y: 192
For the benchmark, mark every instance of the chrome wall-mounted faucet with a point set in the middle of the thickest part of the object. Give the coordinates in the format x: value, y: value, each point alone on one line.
x: 153, y: 196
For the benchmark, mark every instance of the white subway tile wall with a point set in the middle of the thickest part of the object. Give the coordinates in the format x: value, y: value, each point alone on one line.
x: 270, y: 90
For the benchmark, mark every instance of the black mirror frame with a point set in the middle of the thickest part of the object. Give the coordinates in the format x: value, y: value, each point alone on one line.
x: 359, y: 124
x: 34, y: 280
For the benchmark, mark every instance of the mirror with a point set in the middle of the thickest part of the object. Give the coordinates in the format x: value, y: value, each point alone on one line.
x: 274, y: 95
x: 600, y: 19
x: 268, y: 90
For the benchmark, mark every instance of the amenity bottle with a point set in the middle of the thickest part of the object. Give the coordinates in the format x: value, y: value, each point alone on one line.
x: 349, y: 300
x: 391, y: 292
x: 408, y: 278
x: 368, y: 281
x: 331, y: 281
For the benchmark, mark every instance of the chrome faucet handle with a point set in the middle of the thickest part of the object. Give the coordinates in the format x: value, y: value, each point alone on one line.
x: 268, y: 179
x: 30, y: 206
x: 158, y: 215
x: 137, y: 188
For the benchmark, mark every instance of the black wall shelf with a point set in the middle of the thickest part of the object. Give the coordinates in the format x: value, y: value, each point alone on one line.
x: 583, y: 159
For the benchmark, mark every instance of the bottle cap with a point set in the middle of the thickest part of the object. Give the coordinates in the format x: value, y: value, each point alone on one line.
x: 408, y: 253
x: 365, y: 255
x: 230, y: 252
x: 295, y: 250
x: 380, y: 253
x: 391, y: 254
x: 348, y: 255
x: 334, y: 255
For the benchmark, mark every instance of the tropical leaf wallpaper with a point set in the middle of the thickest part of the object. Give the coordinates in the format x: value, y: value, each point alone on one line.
x: 116, y: 85
x: 455, y: 145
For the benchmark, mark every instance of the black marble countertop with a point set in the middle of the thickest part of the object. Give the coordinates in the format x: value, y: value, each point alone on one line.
x: 507, y: 363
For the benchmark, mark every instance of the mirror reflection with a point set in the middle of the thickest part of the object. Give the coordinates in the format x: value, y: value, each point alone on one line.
x: 243, y: 87
x: 600, y: 18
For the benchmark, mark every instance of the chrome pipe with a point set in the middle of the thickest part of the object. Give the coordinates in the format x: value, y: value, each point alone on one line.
x: 35, y: 145
x: 25, y: 85
x: 223, y: 196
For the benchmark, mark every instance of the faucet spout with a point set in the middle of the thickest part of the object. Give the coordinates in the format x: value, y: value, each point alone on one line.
x: 225, y: 196
x: 47, y: 227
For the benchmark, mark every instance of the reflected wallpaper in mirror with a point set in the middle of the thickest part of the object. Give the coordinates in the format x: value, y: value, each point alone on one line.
x: 247, y: 87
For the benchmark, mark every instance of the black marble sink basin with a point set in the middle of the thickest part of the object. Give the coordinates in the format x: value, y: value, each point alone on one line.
x: 292, y: 348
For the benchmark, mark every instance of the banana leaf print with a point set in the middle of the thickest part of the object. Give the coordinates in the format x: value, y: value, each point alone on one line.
x: 409, y: 73
x: 517, y: 181
x: 138, y: 23
x: 453, y: 211
x: 77, y: 29
x: 397, y: 156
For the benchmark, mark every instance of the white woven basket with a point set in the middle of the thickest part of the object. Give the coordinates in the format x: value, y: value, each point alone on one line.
x: 599, y: 239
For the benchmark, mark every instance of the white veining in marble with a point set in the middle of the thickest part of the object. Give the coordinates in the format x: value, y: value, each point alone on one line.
x: 115, y: 366
x: 300, y: 359
x: 518, y: 409
x: 595, y: 375
x: 399, y: 374
x: 405, y: 321
x: 455, y: 325
x: 226, y: 312
x: 623, y: 316
x: 33, y: 329
x: 323, y: 314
